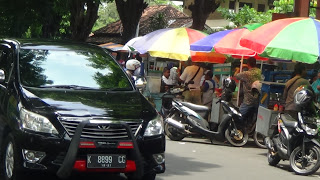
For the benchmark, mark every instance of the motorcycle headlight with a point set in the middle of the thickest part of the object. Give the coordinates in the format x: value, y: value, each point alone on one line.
x: 36, y: 122
x: 310, y: 129
x: 154, y: 127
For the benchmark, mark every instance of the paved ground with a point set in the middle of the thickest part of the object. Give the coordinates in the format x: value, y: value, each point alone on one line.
x: 198, y: 159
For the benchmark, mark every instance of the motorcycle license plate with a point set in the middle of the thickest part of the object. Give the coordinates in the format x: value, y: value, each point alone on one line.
x: 106, y: 161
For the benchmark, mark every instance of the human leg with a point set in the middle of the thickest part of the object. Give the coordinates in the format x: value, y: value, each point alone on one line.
x: 196, y: 97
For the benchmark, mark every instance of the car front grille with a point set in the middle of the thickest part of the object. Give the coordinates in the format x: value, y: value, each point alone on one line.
x: 111, y: 130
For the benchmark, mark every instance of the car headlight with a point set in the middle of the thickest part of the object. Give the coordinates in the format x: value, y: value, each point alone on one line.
x: 154, y: 127
x: 36, y: 122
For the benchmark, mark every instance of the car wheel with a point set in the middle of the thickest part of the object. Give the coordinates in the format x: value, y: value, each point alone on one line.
x: 10, y: 159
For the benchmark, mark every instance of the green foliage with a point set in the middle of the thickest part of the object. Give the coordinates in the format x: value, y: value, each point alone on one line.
x: 283, y: 6
x: 245, y: 16
x: 162, y: 2
x: 313, y: 5
x: 158, y: 22
x: 107, y: 14
x: 286, y: 6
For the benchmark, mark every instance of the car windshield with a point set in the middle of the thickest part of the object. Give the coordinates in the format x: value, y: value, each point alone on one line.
x: 74, y: 69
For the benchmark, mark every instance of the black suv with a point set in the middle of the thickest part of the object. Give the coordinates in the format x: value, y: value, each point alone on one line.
x: 69, y: 107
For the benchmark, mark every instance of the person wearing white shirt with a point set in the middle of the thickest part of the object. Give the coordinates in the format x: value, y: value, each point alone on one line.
x: 194, y: 73
x: 166, y: 82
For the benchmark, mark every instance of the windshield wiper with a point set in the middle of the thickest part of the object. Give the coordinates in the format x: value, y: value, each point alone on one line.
x: 69, y: 87
x: 119, y: 89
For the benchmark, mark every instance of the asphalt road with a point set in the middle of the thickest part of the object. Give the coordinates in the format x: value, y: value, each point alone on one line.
x: 198, y: 159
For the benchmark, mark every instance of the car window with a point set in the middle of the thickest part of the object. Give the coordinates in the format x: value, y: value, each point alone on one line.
x: 64, y: 68
x: 5, y: 61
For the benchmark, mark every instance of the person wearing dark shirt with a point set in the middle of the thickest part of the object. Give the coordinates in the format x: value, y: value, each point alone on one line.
x: 250, y: 102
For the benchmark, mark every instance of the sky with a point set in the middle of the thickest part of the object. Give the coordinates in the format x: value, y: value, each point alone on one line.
x: 178, y: 2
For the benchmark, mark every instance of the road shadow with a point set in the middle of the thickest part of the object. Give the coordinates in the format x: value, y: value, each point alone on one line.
x: 284, y: 165
x: 202, y: 140
x: 177, y: 165
x: 75, y: 176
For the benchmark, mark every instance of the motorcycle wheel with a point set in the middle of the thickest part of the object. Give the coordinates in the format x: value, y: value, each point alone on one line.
x: 259, y: 140
x: 308, y: 164
x: 238, y: 139
x: 273, y: 160
x: 172, y: 133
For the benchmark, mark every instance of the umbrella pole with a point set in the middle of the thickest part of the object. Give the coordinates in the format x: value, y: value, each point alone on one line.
x: 238, y: 96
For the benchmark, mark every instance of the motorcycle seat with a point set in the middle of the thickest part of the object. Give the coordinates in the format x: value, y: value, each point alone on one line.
x: 195, y: 107
x: 289, y: 121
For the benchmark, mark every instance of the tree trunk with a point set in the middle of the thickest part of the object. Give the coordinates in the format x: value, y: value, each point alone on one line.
x: 84, y: 14
x: 50, y: 20
x: 130, y: 12
x: 201, y: 10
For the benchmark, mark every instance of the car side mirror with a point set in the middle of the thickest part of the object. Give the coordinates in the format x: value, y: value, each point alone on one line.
x: 2, y: 76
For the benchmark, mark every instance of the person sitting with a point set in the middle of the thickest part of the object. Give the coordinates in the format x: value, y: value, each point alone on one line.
x: 250, y: 102
x: 166, y: 82
x: 174, y: 73
x: 133, y: 68
x: 208, y: 89
x: 291, y: 85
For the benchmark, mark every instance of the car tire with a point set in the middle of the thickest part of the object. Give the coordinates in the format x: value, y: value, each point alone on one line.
x: 11, y: 158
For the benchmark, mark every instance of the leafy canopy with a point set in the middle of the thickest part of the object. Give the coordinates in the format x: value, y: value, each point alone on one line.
x: 246, y: 15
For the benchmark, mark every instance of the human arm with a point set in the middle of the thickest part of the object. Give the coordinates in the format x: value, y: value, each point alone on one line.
x: 184, y: 75
x: 242, y: 76
x: 204, y: 87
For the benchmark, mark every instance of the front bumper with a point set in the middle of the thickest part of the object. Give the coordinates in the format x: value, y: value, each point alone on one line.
x: 64, y: 155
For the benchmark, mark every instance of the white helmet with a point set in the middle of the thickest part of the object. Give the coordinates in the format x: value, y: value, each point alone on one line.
x: 133, y: 64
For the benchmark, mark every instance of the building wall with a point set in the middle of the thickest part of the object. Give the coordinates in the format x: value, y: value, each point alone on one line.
x: 215, y: 20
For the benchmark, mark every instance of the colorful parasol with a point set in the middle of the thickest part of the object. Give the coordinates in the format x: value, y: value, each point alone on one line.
x: 172, y: 43
x: 290, y: 39
x: 128, y: 45
x: 209, y: 57
x: 226, y: 42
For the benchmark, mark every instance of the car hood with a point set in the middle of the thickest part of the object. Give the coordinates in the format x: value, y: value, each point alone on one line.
x: 80, y: 103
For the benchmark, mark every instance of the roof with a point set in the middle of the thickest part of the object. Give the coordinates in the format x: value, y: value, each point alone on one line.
x: 112, y: 32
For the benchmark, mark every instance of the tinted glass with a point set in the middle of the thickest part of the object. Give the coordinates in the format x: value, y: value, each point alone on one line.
x: 54, y: 68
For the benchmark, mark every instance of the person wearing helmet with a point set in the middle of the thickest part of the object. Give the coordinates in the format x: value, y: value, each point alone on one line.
x: 298, y: 79
x: 133, y: 67
x: 250, y: 102
x: 304, y: 97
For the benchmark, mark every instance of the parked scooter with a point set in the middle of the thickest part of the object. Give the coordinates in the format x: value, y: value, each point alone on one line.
x: 248, y: 126
x: 184, y: 118
x: 296, y: 140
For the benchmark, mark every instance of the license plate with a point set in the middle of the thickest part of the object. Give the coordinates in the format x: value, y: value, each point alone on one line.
x: 106, y: 161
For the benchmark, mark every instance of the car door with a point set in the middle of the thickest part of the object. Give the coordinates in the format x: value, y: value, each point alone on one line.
x: 6, y: 64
